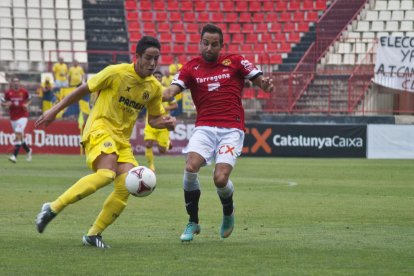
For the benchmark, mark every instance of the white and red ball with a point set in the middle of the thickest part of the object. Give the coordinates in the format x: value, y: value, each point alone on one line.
x: 140, y: 181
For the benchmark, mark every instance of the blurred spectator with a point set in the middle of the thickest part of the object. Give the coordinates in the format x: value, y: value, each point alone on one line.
x: 60, y: 72
x: 45, y: 91
x: 76, y: 74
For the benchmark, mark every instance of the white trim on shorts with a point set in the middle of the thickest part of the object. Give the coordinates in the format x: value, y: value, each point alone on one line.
x: 222, y: 145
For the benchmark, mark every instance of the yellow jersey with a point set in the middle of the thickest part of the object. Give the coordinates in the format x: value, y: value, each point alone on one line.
x: 122, y: 95
x: 76, y: 75
x: 60, y: 71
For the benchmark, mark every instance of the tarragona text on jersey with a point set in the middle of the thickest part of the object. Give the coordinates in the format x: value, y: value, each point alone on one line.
x: 18, y: 98
x: 122, y: 95
x: 216, y: 89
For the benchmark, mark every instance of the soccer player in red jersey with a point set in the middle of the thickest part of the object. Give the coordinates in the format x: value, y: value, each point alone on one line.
x: 216, y: 82
x: 17, y: 99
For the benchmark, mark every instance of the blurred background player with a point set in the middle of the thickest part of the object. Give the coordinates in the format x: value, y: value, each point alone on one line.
x: 124, y: 90
x: 17, y: 99
x: 76, y: 74
x: 45, y: 91
x: 216, y: 82
x: 153, y: 136
x: 60, y: 73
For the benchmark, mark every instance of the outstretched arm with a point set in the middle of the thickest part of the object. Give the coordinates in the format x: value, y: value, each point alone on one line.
x: 49, y: 116
x: 265, y: 83
x: 169, y: 93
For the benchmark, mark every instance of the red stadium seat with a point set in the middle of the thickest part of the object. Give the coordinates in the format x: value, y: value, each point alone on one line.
x: 192, y: 28
x: 245, y: 17
x: 266, y: 37
x: 203, y: 17
x: 163, y: 27
x: 133, y: 26
x: 281, y: 6
x: 144, y: 6
x: 249, y: 93
x: 255, y: 6
x: 189, y: 17
x: 200, y: 6
x: 166, y: 59
x: 272, y: 47
x: 280, y: 37
x: 217, y: 17
x: 194, y: 38
x: 148, y: 28
x: 165, y: 37
x: 234, y: 28
x: 214, y: 6
x: 246, y: 48
x: 289, y: 27
x: 241, y: 6
x: 161, y: 16
x: 307, y: 5
x: 272, y: 17
x: 311, y: 16
x: 320, y: 5
x: 231, y: 17
x: 298, y: 16
x: 275, y: 28
x: 250, y: 57
x: 293, y: 37
x: 180, y: 37
x: 257, y: 17
x: 294, y: 6
x: 175, y: 17
x: 260, y: 93
x: 237, y: 38
x: 285, y: 17
x: 252, y: 37
x: 263, y: 58
x: 178, y: 48
x: 134, y: 36
x: 285, y: 47
x: 131, y: 5
x: 173, y: 5
x: 159, y: 6
x: 146, y: 16
x: 166, y: 48
x: 259, y: 47
x: 177, y: 28
x: 187, y: 6
x: 132, y: 15
x: 232, y: 48
x: 303, y: 27
x: 268, y: 6
x: 192, y: 48
x: 247, y: 28
x: 227, y: 6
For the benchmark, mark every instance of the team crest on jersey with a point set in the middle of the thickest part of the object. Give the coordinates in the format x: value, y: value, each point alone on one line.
x: 145, y: 96
x: 226, y: 62
x: 107, y: 144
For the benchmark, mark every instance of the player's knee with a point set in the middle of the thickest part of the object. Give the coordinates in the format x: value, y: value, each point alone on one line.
x: 192, y: 168
x: 220, y: 179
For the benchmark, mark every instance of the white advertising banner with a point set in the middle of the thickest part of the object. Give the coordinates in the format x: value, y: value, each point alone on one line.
x: 390, y: 142
x: 394, y: 66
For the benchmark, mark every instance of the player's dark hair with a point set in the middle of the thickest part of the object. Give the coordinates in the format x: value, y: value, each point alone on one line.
x: 146, y: 42
x: 211, y: 28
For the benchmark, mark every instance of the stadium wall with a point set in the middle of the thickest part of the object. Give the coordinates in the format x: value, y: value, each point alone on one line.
x: 262, y: 139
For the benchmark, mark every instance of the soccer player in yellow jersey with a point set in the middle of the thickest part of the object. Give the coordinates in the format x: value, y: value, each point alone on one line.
x: 76, y: 74
x: 161, y: 137
x: 124, y: 90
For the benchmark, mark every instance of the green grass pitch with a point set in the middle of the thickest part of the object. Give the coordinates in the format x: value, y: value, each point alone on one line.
x: 294, y: 216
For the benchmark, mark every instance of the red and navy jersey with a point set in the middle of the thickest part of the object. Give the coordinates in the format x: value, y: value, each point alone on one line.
x: 216, y: 89
x: 17, y: 98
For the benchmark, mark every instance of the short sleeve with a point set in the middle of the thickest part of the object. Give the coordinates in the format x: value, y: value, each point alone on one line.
x: 102, y: 80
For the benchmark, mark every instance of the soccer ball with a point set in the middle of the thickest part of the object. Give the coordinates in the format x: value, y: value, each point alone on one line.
x: 140, y: 181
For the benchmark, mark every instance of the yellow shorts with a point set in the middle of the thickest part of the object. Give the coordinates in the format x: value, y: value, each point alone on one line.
x: 162, y: 136
x: 101, y: 142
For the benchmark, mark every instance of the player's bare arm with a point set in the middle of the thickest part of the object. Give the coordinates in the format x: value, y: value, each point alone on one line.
x: 265, y: 83
x: 49, y: 116
x: 165, y: 121
x: 169, y: 93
